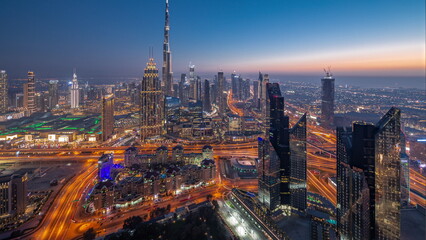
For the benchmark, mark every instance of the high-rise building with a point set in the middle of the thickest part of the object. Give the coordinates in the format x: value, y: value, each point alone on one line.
x: 280, y: 139
x: 74, y: 92
x: 181, y: 85
x: 245, y: 89
x: 263, y: 106
x: 268, y: 176
x: 198, y: 91
x: 29, y: 94
x: 298, y: 164
x: 107, y: 116
x: 256, y: 94
x: 235, y: 86
x: 207, y: 103
x: 327, y: 99
x: 53, y: 98
x: 369, y: 179
x: 167, y: 57
x: 283, y: 157
x: 3, y: 92
x: 19, y: 99
x: 405, y: 173
x: 13, y: 193
x: 152, y: 103
x: 41, y: 101
x: 221, y: 96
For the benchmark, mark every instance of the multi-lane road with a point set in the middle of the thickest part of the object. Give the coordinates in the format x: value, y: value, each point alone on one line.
x: 63, y: 220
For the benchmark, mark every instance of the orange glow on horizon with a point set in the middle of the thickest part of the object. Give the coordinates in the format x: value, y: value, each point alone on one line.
x: 404, y: 59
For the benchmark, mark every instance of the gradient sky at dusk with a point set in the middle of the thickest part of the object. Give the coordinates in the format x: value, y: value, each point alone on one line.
x: 112, y: 38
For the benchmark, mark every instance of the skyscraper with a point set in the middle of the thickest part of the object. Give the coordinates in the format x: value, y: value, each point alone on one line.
x: 53, y: 98
x: 207, y: 103
x: 298, y: 164
x: 353, y: 193
x: 327, y: 99
x: 29, y: 94
x: 268, y: 176
x: 167, y: 57
x: 107, y: 116
x: 74, y: 92
x: 388, y: 176
x: 282, y: 157
x: 263, y: 103
x: 235, y: 86
x: 368, y: 179
x: 3, y: 91
x: 405, y: 173
x: 152, y: 103
x: 256, y: 94
x: 221, y: 97
x: 280, y: 139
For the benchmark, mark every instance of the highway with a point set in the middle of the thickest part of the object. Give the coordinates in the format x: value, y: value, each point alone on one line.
x: 58, y: 223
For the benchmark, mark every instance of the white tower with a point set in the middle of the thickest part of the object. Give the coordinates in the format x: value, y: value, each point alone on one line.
x: 75, y: 98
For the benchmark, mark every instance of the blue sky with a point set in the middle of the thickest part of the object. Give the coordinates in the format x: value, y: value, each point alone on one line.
x: 112, y: 38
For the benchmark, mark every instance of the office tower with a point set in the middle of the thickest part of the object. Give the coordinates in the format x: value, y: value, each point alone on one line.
x: 181, y: 85
x: 195, y: 109
x: 152, y: 103
x: 369, y: 179
x: 261, y: 90
x: 74, y: 92
x: 274, y: 185
x: 235, y: 86
x: 245, y: 89
x: 256, y: 94
x: 3, y: 92
x: 167, y: 57
x: 41, y: 101
x: 280, y: 139
x: 29, y: 94
x: 213, y: 93
x: 198, y: 87
x: 405, y: 173
x: 221, y: 96
x: 298, y: 164
x: 175, y: 90
x: 13, y: 193
x: 268, y: 176
x: 353, y: 193
x: 191, y: 72
x: 53, y: 98
x: 19, y: 99
x: 388, y: 176
x: 327, y: 99
x: 206, y: 103
x: 263, y: 106
x: 184, y: 90
x: 18, y: 194
x: 107, y: 116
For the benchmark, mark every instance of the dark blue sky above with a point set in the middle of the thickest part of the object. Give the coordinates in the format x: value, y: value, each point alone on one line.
x: 112, y: 38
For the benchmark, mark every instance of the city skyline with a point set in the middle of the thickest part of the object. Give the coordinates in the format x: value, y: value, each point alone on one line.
x: 357, y: 39
x: 295, y: 120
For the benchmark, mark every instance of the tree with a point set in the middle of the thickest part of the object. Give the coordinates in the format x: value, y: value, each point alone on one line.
x: 90, y: 234
x: 132, y: 222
